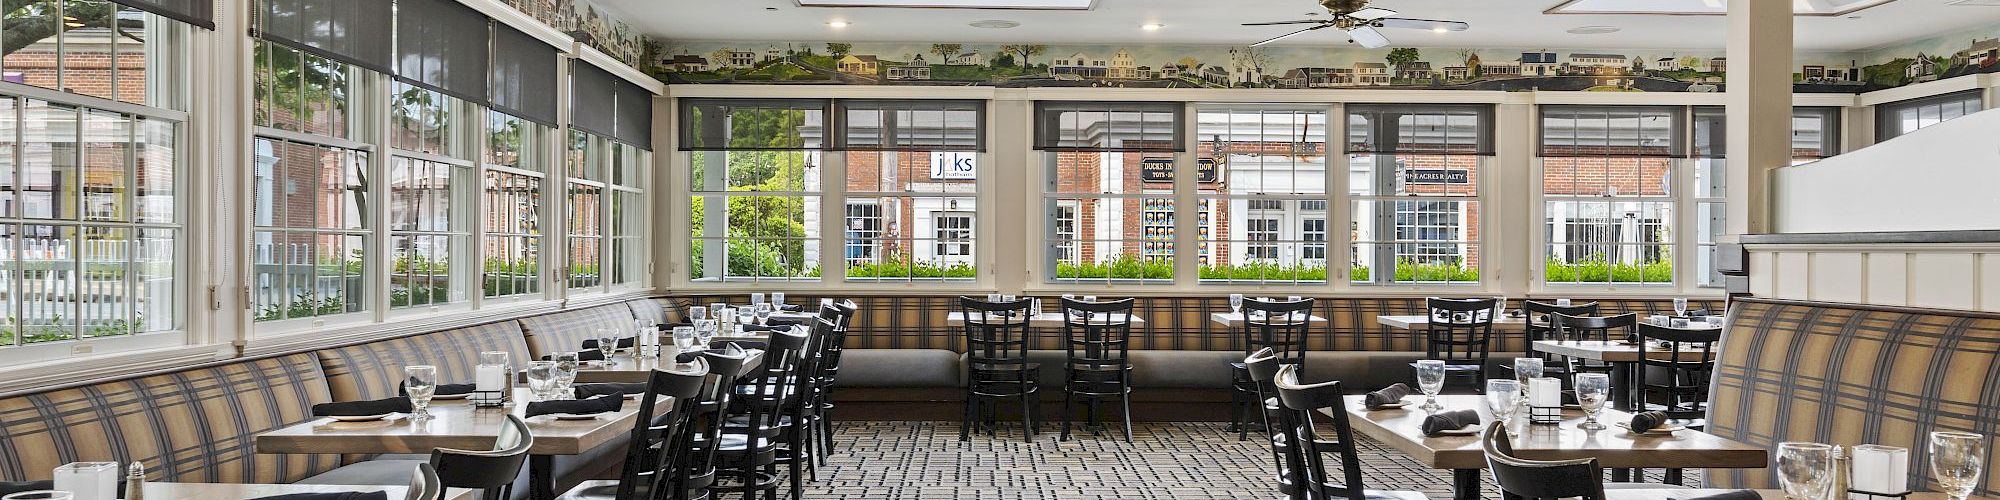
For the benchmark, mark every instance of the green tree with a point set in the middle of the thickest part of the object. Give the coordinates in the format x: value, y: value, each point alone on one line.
x: 30, y: 21
x: 944, y: 51
x: 1027, y: 53
x: 1401, y: 56
x: 839, y: 49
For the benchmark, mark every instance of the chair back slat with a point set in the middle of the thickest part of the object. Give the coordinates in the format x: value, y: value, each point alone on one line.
x: 1687, y: 361
x: 651, y: 460
x: 1282, y: 326
x: 1537, y: 479
x: 1308, y: 444
x: 1098, y: 334
x: 995, y: 332
x: 1459, y: 331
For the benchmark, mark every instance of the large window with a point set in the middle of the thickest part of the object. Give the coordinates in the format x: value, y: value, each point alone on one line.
x: 1608, y: 194
x: 512, y: 200
x: 310, y: 237
x: 429, y: 181
x: 1108, y: 200
x: 90, y: 222
x: 914, y: 165
x: 755, y: 182
x: 1267, y: 165
x: 1902, y: 117
x: 1414, y: 182
x: 1815, y: 135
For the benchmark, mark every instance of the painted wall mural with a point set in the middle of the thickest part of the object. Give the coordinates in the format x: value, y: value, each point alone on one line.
x: 1958, y: 53
x: 584, y: 22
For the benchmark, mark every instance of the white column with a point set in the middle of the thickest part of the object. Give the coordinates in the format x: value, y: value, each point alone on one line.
x: 218, y: 307
x: 1508, y: 221
x: 1013, y: 235
x: 1187, y: 204
x: 1759, y: 110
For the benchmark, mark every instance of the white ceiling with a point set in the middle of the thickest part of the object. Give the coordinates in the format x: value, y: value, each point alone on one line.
x: 1495, y: 23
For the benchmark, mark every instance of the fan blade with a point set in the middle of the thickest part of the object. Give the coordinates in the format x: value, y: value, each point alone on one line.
x: 1306, y: 21
x: 1371, y: 13
x: 1368, y: 37
x: 1289, y: 35
x: 1421, y: 24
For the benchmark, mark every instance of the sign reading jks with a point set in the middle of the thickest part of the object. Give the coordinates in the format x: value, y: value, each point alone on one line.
x: 1436, y: 176
x: 1162, y: 170
x: 954, y: 165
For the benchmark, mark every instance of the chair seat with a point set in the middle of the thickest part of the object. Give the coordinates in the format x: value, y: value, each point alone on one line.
x: 389, y: 472
x: 1004, y: 367
x: 595, y: 489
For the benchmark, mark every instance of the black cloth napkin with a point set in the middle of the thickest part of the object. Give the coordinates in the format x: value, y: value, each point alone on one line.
x: 598, y: 404
x: 1387, y: 396
x: 1647, y: 420
x: 624, y: 343
x: 344, y: 495
x: 590, y: 355
x: 1731, y: 495
x: 792, y: 307
x: 687, y: 356
x: 362, y: 408
x: 765, y: 328
x: 783, y: 322
x: 1449, y: 421
x: 442, y: 389
x: 587, y: 391
x: 668, y: 327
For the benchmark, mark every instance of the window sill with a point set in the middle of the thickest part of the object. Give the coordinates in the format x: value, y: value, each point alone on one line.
x: 43, y: 366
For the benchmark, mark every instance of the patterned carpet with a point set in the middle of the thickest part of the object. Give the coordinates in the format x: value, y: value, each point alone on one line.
x: 1192, y: 461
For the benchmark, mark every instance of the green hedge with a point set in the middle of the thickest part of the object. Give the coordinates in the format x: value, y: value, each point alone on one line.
x: 1124, y: 267
x: 1600, y: 271
x: 898, y: 268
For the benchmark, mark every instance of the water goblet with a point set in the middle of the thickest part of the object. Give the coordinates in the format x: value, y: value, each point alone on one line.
x: 1591, y: 391
x: 683, y: 338
x: 1957, y: 458
x: 1525, y: 368
x: 1805, y: 469
x: 565, y: 373
x: 1680, y: 306
x: 541, y: 378
x: 1430, y: 380
x: 1500, y: 398
x: 1236, y: 304
x: 607, y: 342
x: 697, y: 313
x: 420, y: 383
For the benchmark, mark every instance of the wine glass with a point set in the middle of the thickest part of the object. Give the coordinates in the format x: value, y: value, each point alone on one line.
x: 756, y: 298
x: 763, y: 313
x: 607, y: 342
x: 1804, y: 469
x: 420, y: 382
x: 1236, y: 304
x: 1956, y: 461
x: 565, y: 373
x: 746, y: 316
x: 1525, y: 368
x: 1500, y: 398
x: 541, y: 378
x: 697, y: 313
x: 683, y: 339
x: 1680, y: 306
x: 1430, y: 379
x: 1591, y: 391
x: 704, y: 334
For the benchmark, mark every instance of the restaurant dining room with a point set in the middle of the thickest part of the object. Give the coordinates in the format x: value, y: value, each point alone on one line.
x: 999, y: 249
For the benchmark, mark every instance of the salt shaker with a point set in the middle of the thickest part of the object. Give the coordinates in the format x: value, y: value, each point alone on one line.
x: 135, y: 481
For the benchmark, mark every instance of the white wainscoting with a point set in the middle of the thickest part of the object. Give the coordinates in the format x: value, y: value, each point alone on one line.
x: 1963, y: 276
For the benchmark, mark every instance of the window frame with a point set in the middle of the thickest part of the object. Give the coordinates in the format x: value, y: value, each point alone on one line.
x: 1680, y: 200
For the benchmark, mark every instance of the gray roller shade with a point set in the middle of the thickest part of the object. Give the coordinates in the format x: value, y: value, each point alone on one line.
x: 1110, y: 126
x: 1463, y: 129
x: 910, y: 125
x: 357, y: 32
x: 593, y: 100
x: 635, y: 115
x: 442, y: 45
x: 1815, y: 132
x: 1594, y: 131
x: 196, y: 12
x: 753, y: 124
x: 525, y: 73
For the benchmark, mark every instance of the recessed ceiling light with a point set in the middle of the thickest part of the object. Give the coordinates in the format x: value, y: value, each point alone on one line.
x: 837, y: 24
x: 1592, y: 30
x: 1153, y: 27
x: 994, y: 24
x: 1440, y: 30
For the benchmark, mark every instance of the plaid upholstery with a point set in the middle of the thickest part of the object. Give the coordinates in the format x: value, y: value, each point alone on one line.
x: 372, y: 370
x: 565, y: 331
x: 1852, y: 374
x: 195, y: 425
x: 651, y: 310
x: 1172, y: 323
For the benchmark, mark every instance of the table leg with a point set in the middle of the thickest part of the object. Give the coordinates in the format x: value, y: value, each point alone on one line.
x: 1621, y: 386
x: 1465, y: 484
x: 541, y: 477
x: 1675, y: 477
x: 1621, y: 475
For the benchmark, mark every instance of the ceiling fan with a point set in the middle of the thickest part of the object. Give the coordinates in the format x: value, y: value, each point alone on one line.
x: 1359, y: 21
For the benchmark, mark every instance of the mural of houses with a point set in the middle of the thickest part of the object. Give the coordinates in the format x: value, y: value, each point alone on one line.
x: 860, y: 65
x: 916, y: 69
x: 1923, y: 69
x: 1541, y: 63
x: 1078, y: 65
x: 1667, y: 64
x: 1598, y: 64
x: 1457, y: 72
x: 1415, y: 70
x: 1317, y: 77
x: 1371, y: 74
x: 1502, y: 68
x: 738, y: 59
x: 1170, y: 70
x: 687, y: 63
x: 1243, y: 67
x: 1981, y: 53
x: 1718, y: 65
x: 1123, y: 66
x: 1829, y: 73
x: 966, y: 59
x: 1213, y: 74
x: 773, y: 54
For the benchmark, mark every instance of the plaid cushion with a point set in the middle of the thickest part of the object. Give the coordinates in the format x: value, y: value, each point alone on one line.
x: 372, y: 370
x: 565, y: 331
x: 195, y: 425
x: 651, y: 310
x: 1852, y: 374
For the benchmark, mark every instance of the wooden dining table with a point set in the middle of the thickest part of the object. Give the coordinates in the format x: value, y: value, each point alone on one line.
x: 1623, y: 356
x: 1048, y: 319
x: 459, y: 425
x: 1419, y: 321
x: 239, y: 491
x: 624, y: 368
x: 1616, y: 448
x: 1230, y: 319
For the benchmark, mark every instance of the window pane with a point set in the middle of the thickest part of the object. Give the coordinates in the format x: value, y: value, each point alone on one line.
x: 1416, y: 240
x: 106, y: 179
x: 154, y: 171
x: 586, y: 234
x: 760, y: 236
x: 425, y: 232
x: 48, y: 278
x: 48, y: 161
x: 513, y: 234
x: 1273, y: 184
x: 913, y: 234
x: 1609, y: 241
x: 307, y: 248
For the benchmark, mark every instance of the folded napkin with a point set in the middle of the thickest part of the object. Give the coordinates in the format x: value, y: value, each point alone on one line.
x: 599, y: 404
x: 442, y: 389
x: 668, y: 327
x: 624, y: 343
x: 587, y: 391
x: 791, y: 307
x: 589, y: 355
x: 1648, y: 420
x: 343, y: 495
x: 765, y: 328
x: 362, y: 408
x: 1449, y: 421
x: 783, y: 322
x: 1731, y: 495
x: 1387, y: 396
x: 687, y: 356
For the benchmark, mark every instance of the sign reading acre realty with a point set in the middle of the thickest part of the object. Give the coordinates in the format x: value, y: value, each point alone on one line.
x: 1436, y: 176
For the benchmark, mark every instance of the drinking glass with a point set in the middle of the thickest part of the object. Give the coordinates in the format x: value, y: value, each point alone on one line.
x: 1499, y: 307
x: 1500, y: 397
x: 683, y: 338
x: 1804, y: 469
x: 704, y: 334
x: 541, y: 378
x: 719, y: 309
x: 1527, y: 367
x: 756, y: 298
x: 763, y: 313
x: 607, y: 342
x: 697, y: 313
x: 1591, y: 391
x: 1680, y: 306
x: 1957, y: 458
x: 40, y: 495
x: 1236, y: 304
x: 565, y: 373
x: 746, y: 316
x: 777, y: 299
x: 1430, y: 379
x: 420, y: 382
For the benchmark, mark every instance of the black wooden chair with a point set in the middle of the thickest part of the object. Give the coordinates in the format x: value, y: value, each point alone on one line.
x: 655, y: 455
x: 1263, y: 366
x: 1282, y: 326
x: 1097, y: 339
x: 699, y: 471
x: 1521, y: 479
x: 490, y: 471
x: 1305, y: 446
x: 751, y: 439
x: 997, y: 367
x: 1592, y: 328
x: 1677, y: 374
x: 1460, y: 333
x: 1539, y: 319
x: 425, y: 485
x: 829, y: 371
